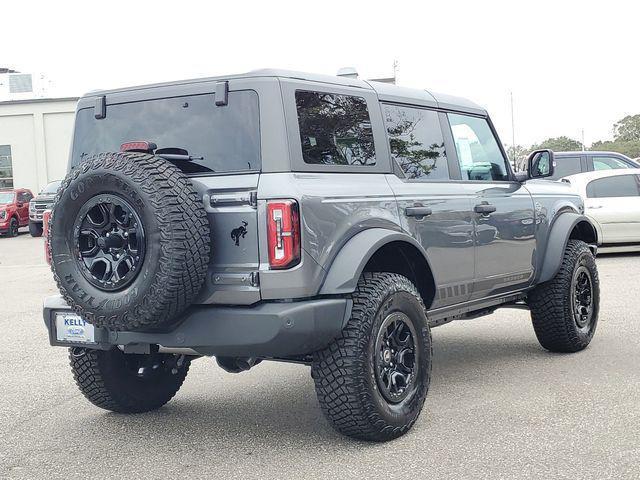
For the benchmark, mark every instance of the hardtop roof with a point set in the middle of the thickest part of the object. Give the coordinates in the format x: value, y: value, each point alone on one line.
x: 385, y: 91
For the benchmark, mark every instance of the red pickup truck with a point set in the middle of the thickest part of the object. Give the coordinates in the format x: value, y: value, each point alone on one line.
x: 14, y: 210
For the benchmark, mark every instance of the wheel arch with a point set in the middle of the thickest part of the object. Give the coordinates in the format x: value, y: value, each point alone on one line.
x: 380, y: 250
x: 568, y: 226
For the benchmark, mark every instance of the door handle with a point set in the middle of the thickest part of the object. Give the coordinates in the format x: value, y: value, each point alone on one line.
x: 484, y: 208
x: 593, y: 207
x: 417, y: 211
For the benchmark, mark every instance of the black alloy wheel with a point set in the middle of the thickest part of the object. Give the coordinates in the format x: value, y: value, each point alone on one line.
x: 582, y: 298
x: 395, y: 361
x: 109, y: 241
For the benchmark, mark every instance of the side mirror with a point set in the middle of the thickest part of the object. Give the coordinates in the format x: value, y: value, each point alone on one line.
x: 541, y: 164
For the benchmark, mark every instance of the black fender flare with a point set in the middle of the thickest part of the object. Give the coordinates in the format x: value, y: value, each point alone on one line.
x: 558, y: 239
x: 347, y: 266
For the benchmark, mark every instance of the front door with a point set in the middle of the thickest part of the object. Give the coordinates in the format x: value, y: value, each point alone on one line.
x: 433, y: 209
x: 503, y: 210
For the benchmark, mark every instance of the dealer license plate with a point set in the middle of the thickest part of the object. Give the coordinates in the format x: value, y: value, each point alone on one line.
x: 73, y: 329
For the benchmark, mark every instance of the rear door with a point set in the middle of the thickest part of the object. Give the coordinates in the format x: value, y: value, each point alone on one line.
x: 433, y: 209
x: 219, y: 125
x: 614, y: 202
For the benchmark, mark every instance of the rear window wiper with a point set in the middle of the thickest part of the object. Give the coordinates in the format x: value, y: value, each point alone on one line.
x: 178, y: 157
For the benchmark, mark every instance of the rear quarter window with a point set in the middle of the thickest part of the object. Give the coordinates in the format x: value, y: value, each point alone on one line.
x: 335, y: 129
x: 226, y: 137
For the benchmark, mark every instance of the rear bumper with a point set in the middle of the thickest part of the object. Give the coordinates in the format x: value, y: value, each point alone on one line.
x: 276, y: 329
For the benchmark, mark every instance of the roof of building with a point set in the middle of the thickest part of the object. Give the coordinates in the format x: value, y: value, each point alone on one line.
x: 39, y: 100
x: 385, y: 91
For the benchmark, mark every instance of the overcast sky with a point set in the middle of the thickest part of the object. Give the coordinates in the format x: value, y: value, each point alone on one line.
x: 570, y: 65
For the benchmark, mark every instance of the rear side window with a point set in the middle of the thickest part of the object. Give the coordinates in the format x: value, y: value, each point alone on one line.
x: 608, y: 163
x: 479, y: 155
x: 334, y: 129
x: 565, y: 166
x: 221, y: 138
x: 618, y: 186
x: 416, y: 142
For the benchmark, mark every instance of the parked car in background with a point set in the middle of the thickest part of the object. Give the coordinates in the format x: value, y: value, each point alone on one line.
x: 14, y: 210
x: 571, y: 163
x: 38, y: 205
x: 612, y: 203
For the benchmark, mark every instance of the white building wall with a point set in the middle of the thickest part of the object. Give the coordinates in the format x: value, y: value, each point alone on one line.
x: 39, y: 133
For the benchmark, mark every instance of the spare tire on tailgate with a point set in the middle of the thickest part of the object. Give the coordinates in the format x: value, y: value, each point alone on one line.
x: 129, y: 241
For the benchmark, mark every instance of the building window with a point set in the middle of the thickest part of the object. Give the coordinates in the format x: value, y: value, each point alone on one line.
x: 6, y: 168
x: 335, y: 129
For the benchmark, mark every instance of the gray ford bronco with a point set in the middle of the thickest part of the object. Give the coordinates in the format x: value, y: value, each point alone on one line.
x: 321, y: 220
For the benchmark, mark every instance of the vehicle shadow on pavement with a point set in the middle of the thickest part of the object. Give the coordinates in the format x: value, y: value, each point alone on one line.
x: 268, y: 404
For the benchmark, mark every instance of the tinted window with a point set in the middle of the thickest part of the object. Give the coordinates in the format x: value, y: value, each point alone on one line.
x: 619, y: 186
x: 608, y: 163
x: 479, y: 155
x: 6, y: 168
x: 24, y: 197
x: 566, y: 166
x: 334, y: 129
x: 226, y: 137
x: 416, y: 142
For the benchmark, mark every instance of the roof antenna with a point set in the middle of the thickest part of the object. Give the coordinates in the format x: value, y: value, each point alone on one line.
x: 347, y: 72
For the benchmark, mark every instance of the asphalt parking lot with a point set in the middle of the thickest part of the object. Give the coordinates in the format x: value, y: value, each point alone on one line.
x: 499, y: 405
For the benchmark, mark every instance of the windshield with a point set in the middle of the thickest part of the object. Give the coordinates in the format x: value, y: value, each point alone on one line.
x: 51, y: 188
x: 6, y: 197
x: 220, y: 138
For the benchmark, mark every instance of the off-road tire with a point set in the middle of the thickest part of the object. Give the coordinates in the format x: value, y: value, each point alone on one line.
x: 344, y: 374
x: 551, y: 305
x: 176, y: 259
x: 105, y: 381
x: 35, y: 229
x: 14, y: 225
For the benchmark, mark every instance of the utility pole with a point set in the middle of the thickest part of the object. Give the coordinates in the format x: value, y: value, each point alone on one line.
x: 513, y: 130
x: 583, y: 147
x: 395, y: 69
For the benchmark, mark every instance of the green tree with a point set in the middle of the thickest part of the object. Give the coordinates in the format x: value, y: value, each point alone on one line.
x: 559, y: 144
x: 627, y: 129
x: 517, y: 154
x: 630, y: 148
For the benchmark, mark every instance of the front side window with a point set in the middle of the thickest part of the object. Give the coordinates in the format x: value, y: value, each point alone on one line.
x: 334, y: 129
x: 611, y: 187
x: 565, y: 166
x: 6, y: 167
x: 416, y: 142
x: 220, y: 138
x: 608, y: 163
x: 479, y: 155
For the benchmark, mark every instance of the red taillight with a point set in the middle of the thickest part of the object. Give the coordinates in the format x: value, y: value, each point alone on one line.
x: 46, y: 216
x: 283, y: 233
